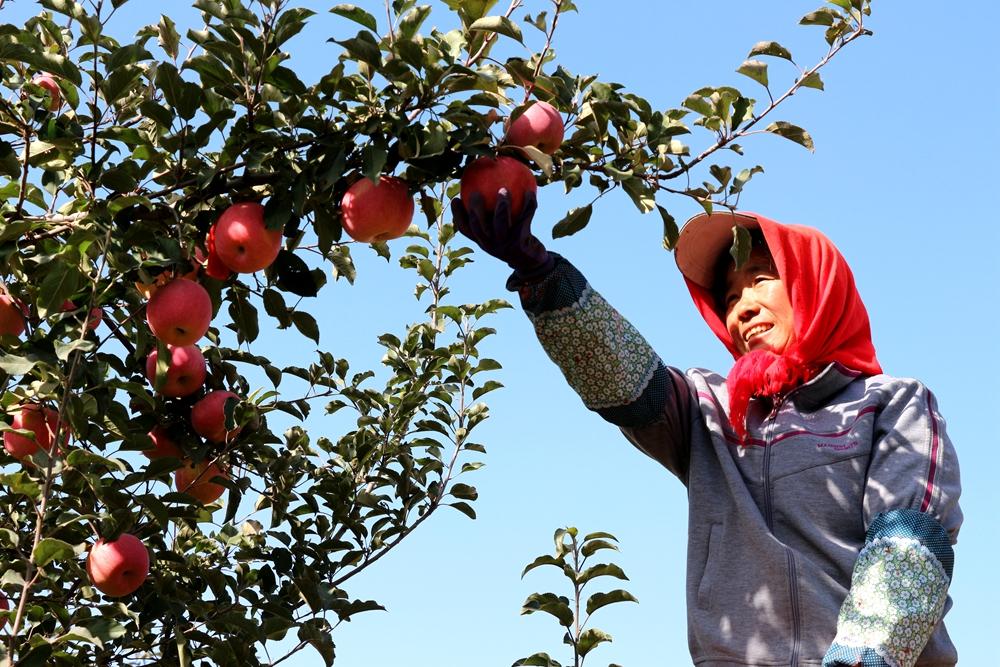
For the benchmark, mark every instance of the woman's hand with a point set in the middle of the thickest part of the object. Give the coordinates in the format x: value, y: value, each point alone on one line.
x: 506, y: 238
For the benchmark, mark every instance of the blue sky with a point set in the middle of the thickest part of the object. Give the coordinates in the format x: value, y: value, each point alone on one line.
x: 905, y: 143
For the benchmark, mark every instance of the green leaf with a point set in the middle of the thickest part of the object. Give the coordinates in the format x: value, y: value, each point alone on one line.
x: 550, y: 604
x: 363, y: 47
x: 95, y: 630
x: 306, y: 324
x: 18, y: 365
x: 63, y: 350
x: 791, y: 132
x: 698, y: 104
x: 812, y: 81
x: 592, y: 546
x: 167, y: 36
x: 498, y: 24
x: 756, y: 70
x: 589, y: 639
x: 743, y: 177
x: 356, y: 14
x: 742, y: 243
x: 602, y: 570
x: 598, y: 600
x: 543, y: 560
x: 537, y: 660
x: 59, y: 284
x: 487, y: 387
x: 822, y: 16
x: 465, y: 508
x: 50, y: 549
x: 670, y: 231
x: 573, y: 222
x: 770, y: 49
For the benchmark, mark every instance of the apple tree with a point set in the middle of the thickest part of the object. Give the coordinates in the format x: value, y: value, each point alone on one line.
x: 168, y: 195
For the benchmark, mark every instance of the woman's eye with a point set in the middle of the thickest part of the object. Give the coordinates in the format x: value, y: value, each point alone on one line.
x: 762, y: 278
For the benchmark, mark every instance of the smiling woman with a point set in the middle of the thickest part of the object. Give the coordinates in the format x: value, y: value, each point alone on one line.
x: 810, y: 475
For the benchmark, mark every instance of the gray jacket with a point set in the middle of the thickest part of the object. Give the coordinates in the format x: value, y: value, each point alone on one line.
x: 774, y: 528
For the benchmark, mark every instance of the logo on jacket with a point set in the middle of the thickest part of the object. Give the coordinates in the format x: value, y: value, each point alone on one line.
x: 838, y: 445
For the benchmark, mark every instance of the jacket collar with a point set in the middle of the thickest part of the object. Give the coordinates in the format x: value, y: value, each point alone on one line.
x: 815, y: 394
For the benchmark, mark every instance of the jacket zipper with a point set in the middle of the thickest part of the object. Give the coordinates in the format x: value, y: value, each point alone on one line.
x: 793, y: 586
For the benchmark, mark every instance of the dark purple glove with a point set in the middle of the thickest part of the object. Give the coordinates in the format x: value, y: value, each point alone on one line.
x: 509, y: 240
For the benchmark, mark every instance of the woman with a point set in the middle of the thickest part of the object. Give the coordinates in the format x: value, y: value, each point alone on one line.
x: 823, y: 494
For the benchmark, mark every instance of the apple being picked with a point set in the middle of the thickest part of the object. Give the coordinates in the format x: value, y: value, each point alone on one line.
x: 208, y: 416
x: 486, y: 176
x: 163, y: 445
x: 42, y: 422
x: 12, y: 314
x: 540, y: 126
x: 118, y: 567
x: 241, y: 240
x: 195, y: 479
x: 185, y: 370
x: 180, y: 312
x: 377, y: 212
x: 48, y: 82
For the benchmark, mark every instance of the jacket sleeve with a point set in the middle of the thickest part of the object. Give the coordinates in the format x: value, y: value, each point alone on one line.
x: 609, y: 364
x: 899, y: 586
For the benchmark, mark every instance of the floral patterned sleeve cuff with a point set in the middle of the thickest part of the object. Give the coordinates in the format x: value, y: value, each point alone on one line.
x: 604, y: 358
x: 898, y: 592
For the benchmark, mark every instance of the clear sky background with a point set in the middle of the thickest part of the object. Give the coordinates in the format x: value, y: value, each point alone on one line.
x: 906, y: 141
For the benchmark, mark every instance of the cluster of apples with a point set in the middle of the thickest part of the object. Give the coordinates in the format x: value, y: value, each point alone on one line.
x: 540, y: 126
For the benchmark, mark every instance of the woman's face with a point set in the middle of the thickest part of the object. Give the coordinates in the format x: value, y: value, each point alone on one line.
x: 758, y: 313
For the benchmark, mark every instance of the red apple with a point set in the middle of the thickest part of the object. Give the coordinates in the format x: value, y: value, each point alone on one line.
x: 48, y: 82
x: 196, y: 481
x: 179, y: 312
x: 242, y: 241
x: 12, y: 314
x: 93, y: 319
x: 208, y: 416
x: 163, y: 445
x: 118, y: 567
x: 540, y: 126
x: 380, y: 212
x: 486, y: 176
x: 214, y: 266
x: 4, y: 606
x: 185, y: 370
x: 42, y: 422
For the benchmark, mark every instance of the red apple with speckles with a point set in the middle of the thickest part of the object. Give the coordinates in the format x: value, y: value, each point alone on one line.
x: 163, y: 445
x: 486, y: 176
x: 42, y: 422
x: 48, y: 82
x: 208, y: 416
x: 196, y: 481
x: 12, y: 314
x: 373, y: 213
x: 242, y: 242
x: 540, y: 126
x: 118, y: 567
x: 180, y: 312
x: 185, y: 370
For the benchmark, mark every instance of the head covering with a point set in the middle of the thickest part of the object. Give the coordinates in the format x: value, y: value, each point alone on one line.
x: 830, y: 320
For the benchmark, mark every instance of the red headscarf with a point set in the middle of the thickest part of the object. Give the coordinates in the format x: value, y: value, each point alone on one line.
x: 830, y: 321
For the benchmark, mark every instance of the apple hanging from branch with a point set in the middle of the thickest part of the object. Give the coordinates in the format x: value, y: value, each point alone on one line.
x: 241, y: 241
x: 42, y: 422
x: 180, y: 312
x: 377, y: 212
x: 118, y: 567
x: 540, y: 125
x: 185, y: 370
